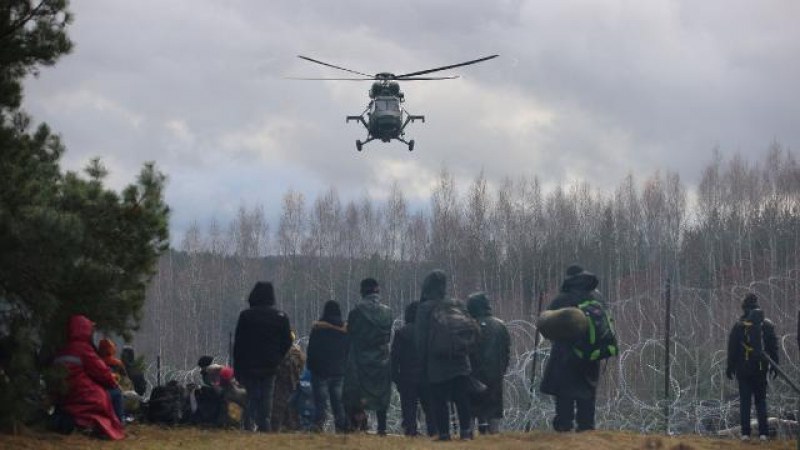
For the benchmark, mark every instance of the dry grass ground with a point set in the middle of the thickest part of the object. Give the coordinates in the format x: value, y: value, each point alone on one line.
x: 151, y: 437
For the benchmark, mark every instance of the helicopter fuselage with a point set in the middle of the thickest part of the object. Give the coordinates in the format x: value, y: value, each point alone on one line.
x: 385, y: 118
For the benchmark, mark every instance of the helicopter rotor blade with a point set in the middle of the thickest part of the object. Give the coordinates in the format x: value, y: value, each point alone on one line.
x: 423, y: 72
x: 329, y: 79
x: 428, y: 78
x: 335, y: 67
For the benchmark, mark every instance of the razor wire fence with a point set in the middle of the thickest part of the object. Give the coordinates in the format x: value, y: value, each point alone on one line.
x: 631, y: 393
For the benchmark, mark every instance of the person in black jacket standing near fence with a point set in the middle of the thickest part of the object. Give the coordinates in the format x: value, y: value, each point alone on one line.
x: 571, y: 380
x: 752, y: 336
x: 263, y: 336
x: 407, y: 375
x: 327, y: 356
x: 446, y: 376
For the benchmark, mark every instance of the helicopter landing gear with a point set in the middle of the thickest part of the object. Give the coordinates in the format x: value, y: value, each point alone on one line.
x: 411, y: 145
x: 359, y: 145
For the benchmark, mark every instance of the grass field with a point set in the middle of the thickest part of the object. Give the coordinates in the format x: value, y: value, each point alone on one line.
x: 152, y: 437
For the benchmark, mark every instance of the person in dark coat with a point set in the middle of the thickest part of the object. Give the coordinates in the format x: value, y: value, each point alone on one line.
x: 447, y: 379
x: 134, y: 370
x: 746, y: 363
x: 571, y: 380
x: 88, y: 380
x: 327, y: 356
x: 407, y: 375
x: 489, y: 363
x: 368, y: 383
x: 263, y: 336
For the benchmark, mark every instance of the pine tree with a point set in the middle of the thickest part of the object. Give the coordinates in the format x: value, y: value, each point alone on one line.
x: 67, y: 244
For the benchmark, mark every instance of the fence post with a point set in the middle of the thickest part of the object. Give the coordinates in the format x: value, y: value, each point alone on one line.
x: 667, y: 354
x: 536, y: 339
x: 158, y: 370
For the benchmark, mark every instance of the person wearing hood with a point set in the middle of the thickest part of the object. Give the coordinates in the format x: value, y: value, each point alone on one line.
x: 446, y: 378
x: 573, y: 381
x: 368, y: 383
x: 88, y: 379
x: 133, y: 370
x: 262, y: 338
x: 489, y: 363
x: 407, y: 375
x: 327, y: 356
x: 750, y: 338
x: 108, y: 352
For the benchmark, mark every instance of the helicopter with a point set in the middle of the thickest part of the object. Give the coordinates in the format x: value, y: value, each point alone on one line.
x: 384, y: 117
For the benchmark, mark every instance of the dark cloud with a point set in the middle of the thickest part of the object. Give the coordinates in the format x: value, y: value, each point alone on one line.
x: 582, y: 91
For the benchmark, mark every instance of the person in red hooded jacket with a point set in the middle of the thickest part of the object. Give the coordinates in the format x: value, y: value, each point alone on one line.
x: 88, y: 377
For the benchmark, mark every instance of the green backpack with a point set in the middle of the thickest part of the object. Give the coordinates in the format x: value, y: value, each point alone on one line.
x: 600, y: 341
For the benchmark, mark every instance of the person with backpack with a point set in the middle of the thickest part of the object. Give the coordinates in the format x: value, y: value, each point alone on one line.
x: 86, y: 400
x: 569, y: 376
x: 367, y: 380
x: 446, y: 336
x: 327, y: 356
x: 751, y: 338
x: 407, y: 375
x: 489, y: 363
x: 262, y: 338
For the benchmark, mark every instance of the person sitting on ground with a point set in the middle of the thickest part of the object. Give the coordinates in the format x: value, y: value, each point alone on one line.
x: 108, y: 351
x: 234, y: 399
x: 752, y: 338
x: 489, y: 364
x: 284, y: 417
x: 134, y: 370
x: 210, y: 406
x: 407, y: 375
x: 327, y: 355
x: 88, y: 380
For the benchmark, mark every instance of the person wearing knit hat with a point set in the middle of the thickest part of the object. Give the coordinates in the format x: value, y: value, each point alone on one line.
x: 752, y: 338
x: 571, y: 380
x: 262, y: 339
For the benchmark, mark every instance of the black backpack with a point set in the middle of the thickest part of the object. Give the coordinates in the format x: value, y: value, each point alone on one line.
x: 168, y: 404
x: 453, y: 332
x: 600, y: 341
x: 752, y: 343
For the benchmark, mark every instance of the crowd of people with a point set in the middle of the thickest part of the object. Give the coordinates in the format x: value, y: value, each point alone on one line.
x: 448, y: 355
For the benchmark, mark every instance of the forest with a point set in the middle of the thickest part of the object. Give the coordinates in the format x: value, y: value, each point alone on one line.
x: 651, y: 239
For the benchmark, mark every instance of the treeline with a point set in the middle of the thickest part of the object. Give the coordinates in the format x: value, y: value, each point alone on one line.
x: 512, y: 240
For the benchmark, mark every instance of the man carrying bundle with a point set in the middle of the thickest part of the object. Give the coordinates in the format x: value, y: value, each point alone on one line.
x: 573, y: 369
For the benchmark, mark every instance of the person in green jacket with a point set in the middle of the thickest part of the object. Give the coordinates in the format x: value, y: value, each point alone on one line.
x: 367, y: 379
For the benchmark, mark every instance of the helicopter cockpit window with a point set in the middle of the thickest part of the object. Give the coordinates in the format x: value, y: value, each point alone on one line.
x: 387, y: 105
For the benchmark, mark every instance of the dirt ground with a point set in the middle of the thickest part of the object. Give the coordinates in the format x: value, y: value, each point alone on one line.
x: 153, y: 437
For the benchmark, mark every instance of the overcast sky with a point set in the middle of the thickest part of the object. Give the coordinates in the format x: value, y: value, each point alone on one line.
x: 586, y: 90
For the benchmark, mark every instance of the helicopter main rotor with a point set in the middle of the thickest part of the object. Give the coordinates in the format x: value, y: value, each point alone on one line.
x: 388, y: 76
